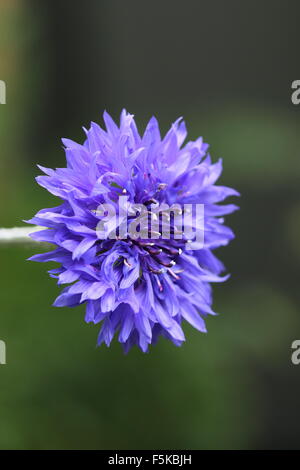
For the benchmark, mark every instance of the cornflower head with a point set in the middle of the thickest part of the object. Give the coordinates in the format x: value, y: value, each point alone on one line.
x: 129, y: 242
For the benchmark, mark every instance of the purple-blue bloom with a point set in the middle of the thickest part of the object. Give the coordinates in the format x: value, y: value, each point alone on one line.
x: 141, y: 288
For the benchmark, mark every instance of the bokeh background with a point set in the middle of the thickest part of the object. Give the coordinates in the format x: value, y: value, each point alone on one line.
x: 227, y: 68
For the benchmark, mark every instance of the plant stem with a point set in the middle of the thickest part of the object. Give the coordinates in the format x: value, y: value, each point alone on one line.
x: 17, y: 234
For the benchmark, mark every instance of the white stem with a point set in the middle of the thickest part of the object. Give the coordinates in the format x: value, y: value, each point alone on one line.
x: 17, y: 234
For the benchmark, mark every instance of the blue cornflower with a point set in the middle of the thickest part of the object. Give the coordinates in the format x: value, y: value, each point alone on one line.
x: 138, y: 287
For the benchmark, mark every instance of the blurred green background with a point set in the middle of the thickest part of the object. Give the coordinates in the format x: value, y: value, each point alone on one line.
x: 227, y: 68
